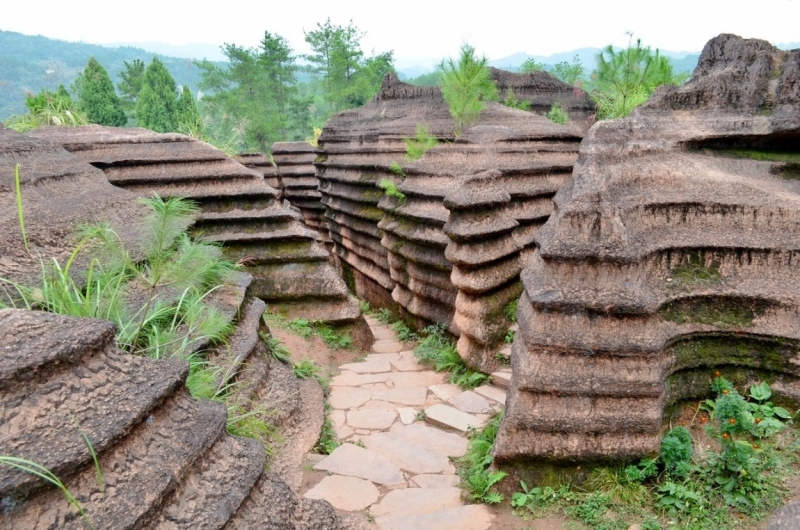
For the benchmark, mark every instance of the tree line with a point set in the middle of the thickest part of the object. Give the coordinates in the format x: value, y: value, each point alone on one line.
x: 264, y: 94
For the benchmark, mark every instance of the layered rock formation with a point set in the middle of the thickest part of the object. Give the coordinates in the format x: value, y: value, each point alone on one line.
x: 299, y: 183
x: 165, y: 459
x: 672, y: 252
x: 261, y: 163
x: 59, y: 193
x: 433, y: 271
x: 239, y: 210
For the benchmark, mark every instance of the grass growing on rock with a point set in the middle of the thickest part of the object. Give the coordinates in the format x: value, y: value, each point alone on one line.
x: 306, y: 328
x: 439, y: 351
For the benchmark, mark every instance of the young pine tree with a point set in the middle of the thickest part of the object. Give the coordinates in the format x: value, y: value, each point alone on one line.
x: 157, y: 104
x: 188, y: 114
x: 96, y: 96
x: 466, y: 84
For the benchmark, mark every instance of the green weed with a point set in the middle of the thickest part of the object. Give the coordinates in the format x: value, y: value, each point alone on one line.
x: 557, y: 114
x: 384, y: 316
x: 512, y: 101
x: 439, y: 351
x: 328, y: 441
x: 404, y: 333
x: 476, y: 478
x: 20, y: 211
x: 397, y: 169
x: 695, y: 271
x: 417, y: 146
x: 390, y: 189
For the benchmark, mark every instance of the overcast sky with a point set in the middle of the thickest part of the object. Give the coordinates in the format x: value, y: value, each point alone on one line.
x: 414, y: 29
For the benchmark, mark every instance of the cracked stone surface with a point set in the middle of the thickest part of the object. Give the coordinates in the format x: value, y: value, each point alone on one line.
x: 345, y: 493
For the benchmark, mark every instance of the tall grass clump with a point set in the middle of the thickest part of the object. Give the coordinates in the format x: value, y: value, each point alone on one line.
x: 439, y: 351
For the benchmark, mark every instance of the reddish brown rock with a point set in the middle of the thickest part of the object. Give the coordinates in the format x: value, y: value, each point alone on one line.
x: 299, y: 183
x: 239, y: 210
x: 166, y: 459
x: 672, y: 253
x: 432, y: 273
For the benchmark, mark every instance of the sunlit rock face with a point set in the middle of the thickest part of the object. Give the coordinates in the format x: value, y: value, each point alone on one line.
x: 398, y: 235
x: 672, y: 253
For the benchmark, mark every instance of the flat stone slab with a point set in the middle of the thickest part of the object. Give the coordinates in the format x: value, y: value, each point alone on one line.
x: 472, y: 517
x: 407, y: 415
x: 408, y: 366
x: 345, y: 397
x: 471, y: 402
x: 412, y: 457
x: 349, y: 378
x: 378, y: 405
x: 382, y: 357
x: 444, y: 443
x: 493, y: 393
x: 407, y: 379
x: 371, y: 419
x: 345, y: 493
x: 387, y: 346
x: 436, y: 481
x: 337, y: 417
x: 353, y: 461
x: 383, y: 333
x: 373, y: 367
x: 403, y: 396
x: 342, y: 431
x: 446, y: 416
x: 501, y: 379
x: 416, y: 501
x: 445, y: 391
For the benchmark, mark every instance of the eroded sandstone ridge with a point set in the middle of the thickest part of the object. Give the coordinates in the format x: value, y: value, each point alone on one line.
x: 59, y: 192
x: 239, y: 210
x: 396, y: 245
x: 672, y: 252
x: 299, y: 183
x: 166, y: 460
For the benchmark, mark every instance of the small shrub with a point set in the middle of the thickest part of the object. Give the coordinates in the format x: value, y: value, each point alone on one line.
x: 417, y: 146
x: 557, y: 114
x: 403, y: 332
x: 676, y: 452
x: 390, y: 189
x: 305, y: 369
x: 397, y: 169
x: 466, y: 85
x: 384, y: 315
x: 510, y: 310
x: 509, y: 337
x: 512, y: 101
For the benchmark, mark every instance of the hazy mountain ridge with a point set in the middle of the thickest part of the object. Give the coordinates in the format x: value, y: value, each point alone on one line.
x: 31, y: 63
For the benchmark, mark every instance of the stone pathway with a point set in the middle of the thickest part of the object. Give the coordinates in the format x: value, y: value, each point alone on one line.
x: 403, y: 423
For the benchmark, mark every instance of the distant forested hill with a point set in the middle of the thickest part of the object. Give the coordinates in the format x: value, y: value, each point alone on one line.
x: 31, y: 63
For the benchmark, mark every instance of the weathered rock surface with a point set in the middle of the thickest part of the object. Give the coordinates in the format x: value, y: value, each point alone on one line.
x: 239, y: 210
x: 261, y: 163
x: 300, y: 185
x: 166, y: 459
x: 672, y: 252
x: 59, y: 192
x: 439, y: 256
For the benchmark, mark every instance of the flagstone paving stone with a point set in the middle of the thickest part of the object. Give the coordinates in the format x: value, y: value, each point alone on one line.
x: 403, y: 396
x: 451, y: 417
x: 372, y: 367
x: 492, y: 392
x: 348, y: 378
x: 406, y: 455
x: 435, y: 481
x: 353, y: 461
x: 471, y: 402
x: 444, y: 443
x: 345, y: 397
x: 345, y: 493
x: 407, y: 415
x: 471, y: 517
x: 407, y: 379
x: 371, y: 419
x: 417, y: 501
x: 387, y: 346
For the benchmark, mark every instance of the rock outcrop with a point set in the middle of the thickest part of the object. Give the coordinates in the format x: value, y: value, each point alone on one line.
x: 164, y: 460
x: 239, y: 210
x: 59, y: 192
x: 261, y: 163
x: 672, y: 253
x: 457, y: 274
x: 299, y: 183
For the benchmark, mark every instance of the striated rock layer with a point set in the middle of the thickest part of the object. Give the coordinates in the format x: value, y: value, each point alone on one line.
x: 457, y: 274
x: 672, y: 252
x: 239, y: 210
x: 165, y: 459
x: 59, y: 193
x: 299, y: 183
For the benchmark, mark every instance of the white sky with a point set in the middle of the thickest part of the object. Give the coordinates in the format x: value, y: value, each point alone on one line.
x: 414, y: 29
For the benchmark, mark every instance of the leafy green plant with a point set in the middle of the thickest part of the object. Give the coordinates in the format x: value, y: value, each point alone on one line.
x: 420, y: 144
x: 404, y: 333
x: 510, y: 310
x: 466, y: 85
x: 676, y: 452
x: 509, y: 337
x: 571, y: 72
x: 530, y: 65
x: 397, y: 169
x: 390, y: 189
x: 512, y: 101
x: 276, y: 348
x: 439, y: 351
x: 557, y: 114
x: 365, y: 307
x: 474, y: 466
x: 384, y: 316
x: 305, y: 369
x: 532, y: 498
